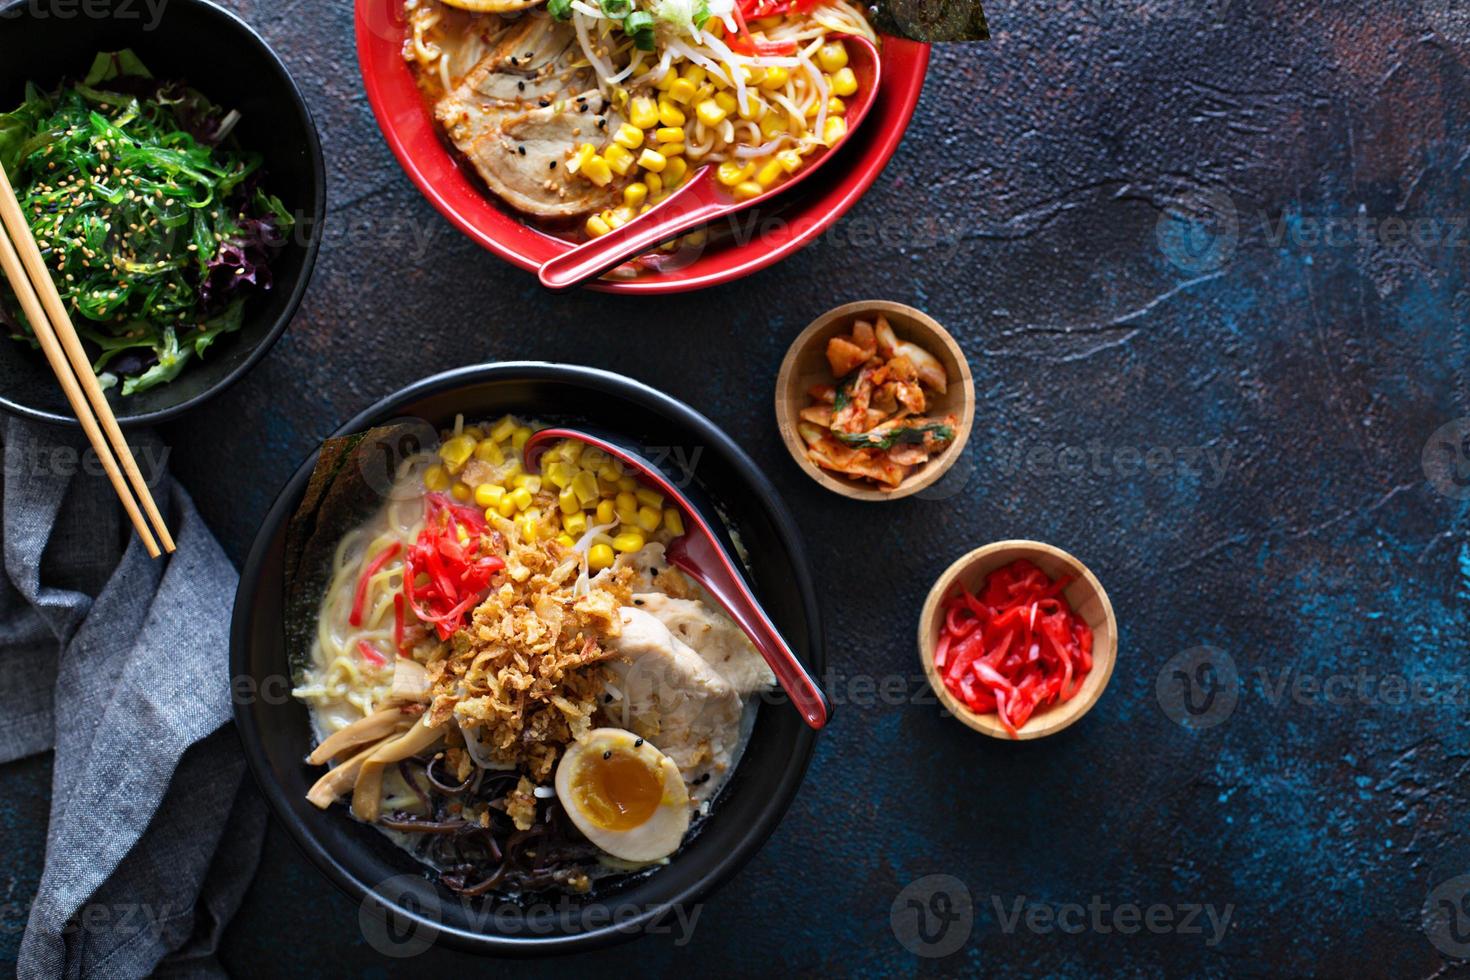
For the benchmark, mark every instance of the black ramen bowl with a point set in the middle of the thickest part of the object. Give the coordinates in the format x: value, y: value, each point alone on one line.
x: 401, y: 906
x: 45, y: 42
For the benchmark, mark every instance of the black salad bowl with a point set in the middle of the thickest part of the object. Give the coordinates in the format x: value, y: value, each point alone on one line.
x: 47, y: 41
x: 402, y: 910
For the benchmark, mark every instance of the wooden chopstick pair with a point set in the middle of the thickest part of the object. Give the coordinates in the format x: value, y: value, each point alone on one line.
x: 23, y: 266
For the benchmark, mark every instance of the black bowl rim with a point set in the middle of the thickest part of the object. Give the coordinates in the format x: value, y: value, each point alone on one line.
x: 308, y: 264
x: 731, y: 861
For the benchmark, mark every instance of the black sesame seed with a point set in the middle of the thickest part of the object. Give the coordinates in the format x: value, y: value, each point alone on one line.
x: 582, y: 107
x: 521, y: 150
x: 607, y: 755
x: 520, y: 86
x: 553, y: 165
x: 607, y: 699
x: 544, y: 103
x: 602, y: 124
x: 637, y: 743
x: 637, y: 602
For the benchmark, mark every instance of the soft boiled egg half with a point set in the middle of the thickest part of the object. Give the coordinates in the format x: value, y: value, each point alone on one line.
x: 626, y: 796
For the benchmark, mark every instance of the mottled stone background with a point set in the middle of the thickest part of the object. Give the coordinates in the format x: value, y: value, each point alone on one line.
x: 1209, y: 261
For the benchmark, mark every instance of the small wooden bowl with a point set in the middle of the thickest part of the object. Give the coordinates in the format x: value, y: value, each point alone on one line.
x: 806, y: 364
x: 1087, y: 598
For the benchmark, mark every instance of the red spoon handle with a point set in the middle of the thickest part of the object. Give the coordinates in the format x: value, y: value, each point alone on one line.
x: 699, y: 557
x: 693, y: 205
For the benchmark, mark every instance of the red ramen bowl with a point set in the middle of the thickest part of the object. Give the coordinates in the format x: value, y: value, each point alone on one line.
x: 457, y: 192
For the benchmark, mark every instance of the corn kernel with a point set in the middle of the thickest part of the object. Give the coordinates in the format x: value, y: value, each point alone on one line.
x: 584, y: 485
x: 436, y: 478
x: 596, y: 227
x: 682, y: 90
x: 511, y: 472
x: 503, y: 429
x: 655, y: 184
x: 773, y: 124
x: 461, y: 493
x: 628, y: 541
x: 530, y: 482
x: 566, y: 540
x: 599, y: 556
x: 626, y: 507
x: 574, y: 523
x: 652, y: 160
x: 619, y: 159
x: 597, y: 170
x: 731, y: 172
x: 606, y: 511
x: 580, y: 158
x: 635, y: 194
x: 775, y: 78
x: 559, y: 474
x: 709, y: 113
x: 675, y: 171
x: 668, y: 78
x: 627, y: 484
x: 649, y: 496
x: 643, y: 113
x: 456, y: 452
x: 747, y: 190
x: 487, y: 451
x: 649, y: 518
x: 618, y: 217
x: 669, y: 114
x: 696, y: 74
x: 569, y: 450
x: 754, y: 108
x: 529, y: 531
x: 790, y: 161
x: 835, y: 129
x: 505, y: 508
x: 832, y: 56
x: 769, y: 173
x: 518, y: 438
x: 629, y: 136
x: 669, y: 134
x: 489, y: 494
x: 844, y: 82
x: 568, y: 502
x: 520, y: 498
x: 673, y: 521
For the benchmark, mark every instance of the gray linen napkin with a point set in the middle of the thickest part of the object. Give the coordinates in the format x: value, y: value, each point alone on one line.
x: 119, y: 663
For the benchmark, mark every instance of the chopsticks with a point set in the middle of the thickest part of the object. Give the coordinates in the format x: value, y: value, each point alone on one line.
x: 23, y: 266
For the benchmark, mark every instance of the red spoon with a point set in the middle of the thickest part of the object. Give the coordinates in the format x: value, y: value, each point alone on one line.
x: 699, y: 554
x: 703, y: 199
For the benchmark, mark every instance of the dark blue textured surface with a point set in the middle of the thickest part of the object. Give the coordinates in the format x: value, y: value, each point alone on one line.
x: 1278, y: 388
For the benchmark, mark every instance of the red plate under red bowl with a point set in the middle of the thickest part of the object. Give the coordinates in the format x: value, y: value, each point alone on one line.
x: 458, y: 194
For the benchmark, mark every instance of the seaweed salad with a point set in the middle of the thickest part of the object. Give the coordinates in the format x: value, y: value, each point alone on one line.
x: 153, y: 221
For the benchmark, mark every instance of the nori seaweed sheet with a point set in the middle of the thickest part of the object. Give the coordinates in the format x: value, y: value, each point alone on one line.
x: 931, y: 21
x: 348, y: 485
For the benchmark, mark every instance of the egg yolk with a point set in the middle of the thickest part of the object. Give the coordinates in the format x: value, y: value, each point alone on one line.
x: 619, y: 792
